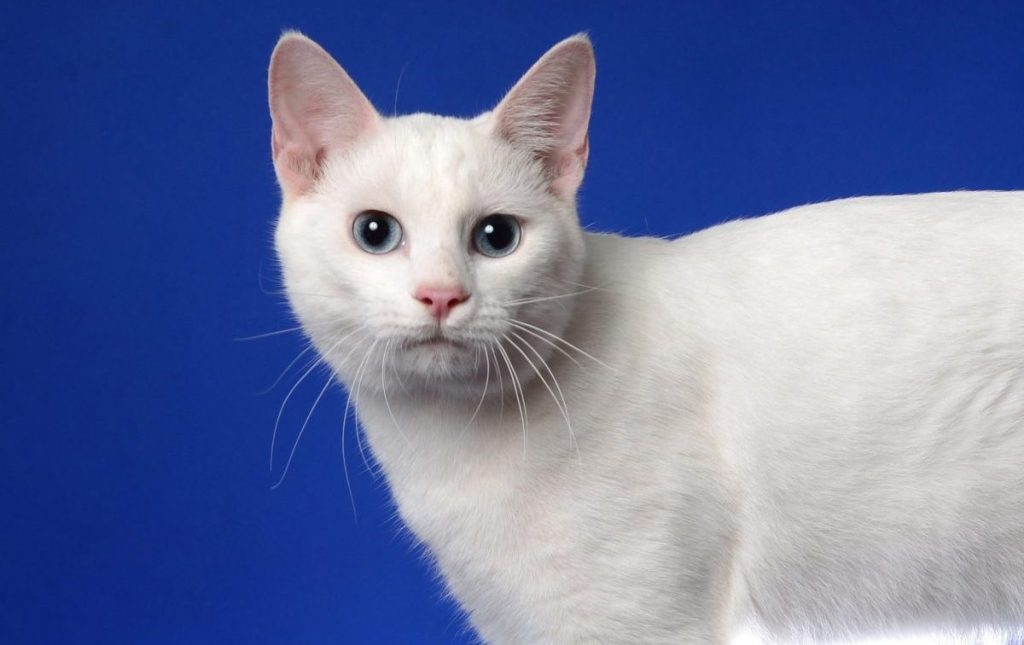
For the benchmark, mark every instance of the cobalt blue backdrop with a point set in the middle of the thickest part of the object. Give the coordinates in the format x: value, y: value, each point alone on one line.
x: 138, y: 202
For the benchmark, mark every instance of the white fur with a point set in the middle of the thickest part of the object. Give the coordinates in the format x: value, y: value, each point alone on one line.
x: 812, y: 420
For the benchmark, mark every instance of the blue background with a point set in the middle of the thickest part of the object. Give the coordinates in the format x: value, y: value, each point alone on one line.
x: 138, y: 200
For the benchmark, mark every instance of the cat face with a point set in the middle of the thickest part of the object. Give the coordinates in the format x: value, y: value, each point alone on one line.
x: 422, y: 252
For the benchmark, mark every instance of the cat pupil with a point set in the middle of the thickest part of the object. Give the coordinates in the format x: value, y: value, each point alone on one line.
x: 377, y: 232
x: 498, y: 237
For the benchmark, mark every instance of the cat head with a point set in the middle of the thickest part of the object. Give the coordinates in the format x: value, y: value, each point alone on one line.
x: 424, y: 248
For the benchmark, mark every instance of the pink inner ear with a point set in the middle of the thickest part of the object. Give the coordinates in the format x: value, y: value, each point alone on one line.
x: 576, y: 112
x: 568, y: 168
x: 548, y: 111
x: 316, y: 109
x: 298, y: 168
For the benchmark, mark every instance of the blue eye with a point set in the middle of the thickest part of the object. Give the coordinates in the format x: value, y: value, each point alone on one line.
x: 377, y: 232
x: 497, y: 235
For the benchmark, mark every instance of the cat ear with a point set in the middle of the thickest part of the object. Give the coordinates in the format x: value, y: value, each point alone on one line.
x: 315, y: 107
x: 548, y: 110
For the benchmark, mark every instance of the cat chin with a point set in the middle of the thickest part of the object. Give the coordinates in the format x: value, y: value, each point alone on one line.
x: 421, y: 367
x: 439, y: 360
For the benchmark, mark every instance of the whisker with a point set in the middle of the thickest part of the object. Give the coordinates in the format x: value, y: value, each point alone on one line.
x: 562, y: 340
x: 550, y: 343
x: 268, y: 334
x: 280, y: 411
x: 483, y: 395
x: 585, y: 286
x: 517, y: 389
x: 355, y: 393
x: 344, y: 425
x: 297, y: 328
x: 281, y: 291
x: 344, y: 469
x: 527, y: 301
x: 262, y: 287
x: 501, y: 384
x: 398, y: 86
x: 544, y: 382
x: 564, y: 407
x: 312, y: 294
x: 295, y: 360
x: 398, y: 377
x: 298, y: 437
x: 384, y: 389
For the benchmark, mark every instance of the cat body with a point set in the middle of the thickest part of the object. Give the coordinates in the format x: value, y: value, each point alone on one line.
x: 812, y: 421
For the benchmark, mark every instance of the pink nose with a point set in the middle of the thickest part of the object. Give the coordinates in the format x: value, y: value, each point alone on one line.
x: 440, y: 301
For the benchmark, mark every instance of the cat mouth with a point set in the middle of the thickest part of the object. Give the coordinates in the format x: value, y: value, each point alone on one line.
x: 435, y: 342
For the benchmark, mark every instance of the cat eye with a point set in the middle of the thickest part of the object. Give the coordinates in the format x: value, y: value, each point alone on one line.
x: 377, y: 232
x: 496, y: 235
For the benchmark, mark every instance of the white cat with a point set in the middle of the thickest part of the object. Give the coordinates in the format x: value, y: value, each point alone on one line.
x: 812, y: 420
